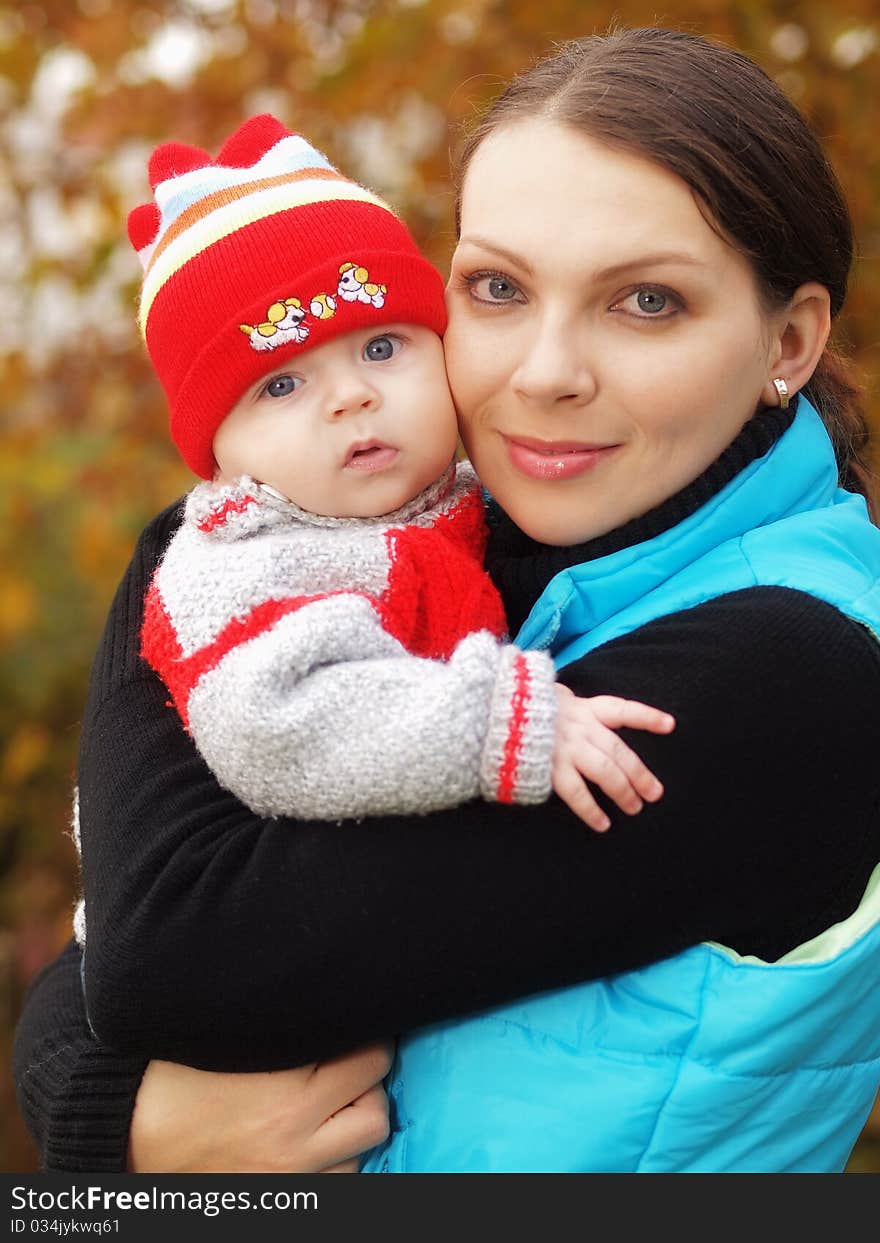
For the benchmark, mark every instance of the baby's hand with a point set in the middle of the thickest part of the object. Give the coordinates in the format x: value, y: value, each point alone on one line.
x: 587, y: 749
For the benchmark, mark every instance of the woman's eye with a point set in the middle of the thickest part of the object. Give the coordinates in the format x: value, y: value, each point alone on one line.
x: 380, y: 349
x: 282, y: 386
x: 492, y: 287
x: 649, y: 303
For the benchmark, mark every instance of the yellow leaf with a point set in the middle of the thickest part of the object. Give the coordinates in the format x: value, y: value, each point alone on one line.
x: 25, y: 753
x: 17, y: 608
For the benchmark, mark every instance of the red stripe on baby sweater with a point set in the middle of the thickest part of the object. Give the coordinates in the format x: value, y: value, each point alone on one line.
x: 518, y: 701
x: 218, y: 517
x: 161, y: 648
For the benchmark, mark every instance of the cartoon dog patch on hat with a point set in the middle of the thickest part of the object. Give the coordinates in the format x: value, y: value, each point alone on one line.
x: 355, y: 286
x: 283, y: 325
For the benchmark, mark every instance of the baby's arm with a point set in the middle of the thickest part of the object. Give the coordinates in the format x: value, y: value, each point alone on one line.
x: 324, y: 715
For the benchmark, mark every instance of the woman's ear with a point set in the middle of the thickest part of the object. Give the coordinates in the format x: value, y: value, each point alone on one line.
x: 799, y: 335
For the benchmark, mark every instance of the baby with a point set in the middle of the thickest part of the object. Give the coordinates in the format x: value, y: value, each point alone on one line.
x: 322, y: 618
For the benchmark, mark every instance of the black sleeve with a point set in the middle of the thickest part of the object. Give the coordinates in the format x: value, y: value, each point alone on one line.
x: 229, y: 941
x: 769, y: 828
x: 75, y: 1095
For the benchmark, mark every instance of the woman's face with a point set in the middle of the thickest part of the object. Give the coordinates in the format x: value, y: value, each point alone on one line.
x: 604, y: 345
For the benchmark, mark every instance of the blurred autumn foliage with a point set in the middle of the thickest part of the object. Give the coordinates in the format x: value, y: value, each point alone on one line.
x: 87, y: 88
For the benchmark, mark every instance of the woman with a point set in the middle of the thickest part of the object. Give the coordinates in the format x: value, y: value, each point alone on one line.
x: 651, y: 250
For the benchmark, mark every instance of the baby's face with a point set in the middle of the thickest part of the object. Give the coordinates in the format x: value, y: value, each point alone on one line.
x: 353, y: 428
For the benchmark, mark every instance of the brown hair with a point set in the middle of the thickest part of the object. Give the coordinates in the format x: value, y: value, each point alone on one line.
x: 712, y: 116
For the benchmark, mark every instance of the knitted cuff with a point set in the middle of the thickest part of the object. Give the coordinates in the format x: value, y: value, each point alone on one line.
x: 78, y: 1098
x: 517, y: 754
x: 75, y: 1095
x: 91, y: 1134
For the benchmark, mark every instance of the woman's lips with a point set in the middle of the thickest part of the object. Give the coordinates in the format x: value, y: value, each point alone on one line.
x: 554, y: 459
x: 370, y: 456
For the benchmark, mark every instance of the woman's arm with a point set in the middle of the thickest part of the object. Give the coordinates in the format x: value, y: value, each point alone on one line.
x: 230, y: 941
x: 75, y: 1095
x: 77, y: 1099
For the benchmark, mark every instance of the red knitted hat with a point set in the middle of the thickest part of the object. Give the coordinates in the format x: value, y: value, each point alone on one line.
x: 256, y: 256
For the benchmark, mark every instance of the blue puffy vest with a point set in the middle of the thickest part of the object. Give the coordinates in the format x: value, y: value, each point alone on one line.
x: 707, y: 1061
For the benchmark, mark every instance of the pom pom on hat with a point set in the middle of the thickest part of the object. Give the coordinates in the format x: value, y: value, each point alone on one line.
x: 143, y: 225
x: 173, y: 159
x: 256, y: 256
x: 251, y: 141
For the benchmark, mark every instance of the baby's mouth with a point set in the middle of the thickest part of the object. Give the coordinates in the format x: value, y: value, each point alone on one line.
x: 370, y: 455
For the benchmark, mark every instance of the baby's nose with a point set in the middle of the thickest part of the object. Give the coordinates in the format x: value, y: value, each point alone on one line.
x: 348, y: 398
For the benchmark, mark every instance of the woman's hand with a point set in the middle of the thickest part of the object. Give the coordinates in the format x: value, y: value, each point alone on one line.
x: 588, y: 749
x: 315, y: 1118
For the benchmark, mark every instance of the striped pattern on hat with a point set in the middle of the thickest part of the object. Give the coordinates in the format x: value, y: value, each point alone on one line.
x: 268, y: 248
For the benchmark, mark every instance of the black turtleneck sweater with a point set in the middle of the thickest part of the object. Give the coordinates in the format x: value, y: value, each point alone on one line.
x: 228, y: 941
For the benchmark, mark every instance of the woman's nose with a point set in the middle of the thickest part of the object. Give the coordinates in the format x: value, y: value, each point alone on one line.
x: 556, y: 367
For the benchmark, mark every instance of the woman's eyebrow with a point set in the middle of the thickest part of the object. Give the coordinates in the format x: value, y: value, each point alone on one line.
x: 659, y: 259
x: 510, y: 255
x: 656, y: 259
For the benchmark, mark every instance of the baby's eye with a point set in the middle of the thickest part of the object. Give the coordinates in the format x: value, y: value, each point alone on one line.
x: 282, y: 385
x: 380, y: 349
x: 492, y: 287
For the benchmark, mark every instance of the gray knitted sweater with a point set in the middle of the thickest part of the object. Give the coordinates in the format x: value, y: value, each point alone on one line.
x: 330, y: 668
